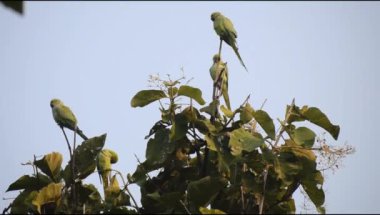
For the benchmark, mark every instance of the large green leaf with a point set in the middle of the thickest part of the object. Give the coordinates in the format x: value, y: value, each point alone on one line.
x: 203, y: 191
x: 85, y: 158
x: 166, y: 202
x: 23, y: 203
x: 50, y: 164
x: 29, y: 183
x: 317, y: 117
x: 191, y: 92
x: 304, y: 137
x: 145, y: 97
x: 246, y: 114
x: 159, y: 148
x: 48, y: 194
x: 313, y: 188
x: 265, y: 122
x: 241, y: 139
x: 314, y: 115
x: 17, y: 6
x: 179, y: 128
x: 211, y: 108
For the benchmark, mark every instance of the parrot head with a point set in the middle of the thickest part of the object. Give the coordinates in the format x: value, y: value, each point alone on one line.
x: 215, y: 15
x: 114, y: 157
x: 55, y: 102
x: 216, y: 58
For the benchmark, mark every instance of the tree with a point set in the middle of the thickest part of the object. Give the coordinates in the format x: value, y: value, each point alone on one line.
x: 204, y: 160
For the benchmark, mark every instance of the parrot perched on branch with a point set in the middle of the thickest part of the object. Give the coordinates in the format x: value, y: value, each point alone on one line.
x: 64, y: 117
x: 105, y: 158
x: 219, y: 75
x: 226, y: 31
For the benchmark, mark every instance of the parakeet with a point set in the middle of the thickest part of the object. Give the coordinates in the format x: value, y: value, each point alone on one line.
x: 226, y: 31
x: 222, y: 84
x: 64, y: 117
x: 105, y: 158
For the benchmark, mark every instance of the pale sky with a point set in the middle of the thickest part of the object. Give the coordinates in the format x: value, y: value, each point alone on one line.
x: 95, y: 56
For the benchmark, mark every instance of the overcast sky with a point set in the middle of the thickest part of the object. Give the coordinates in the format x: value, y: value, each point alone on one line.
x: 95, y: 56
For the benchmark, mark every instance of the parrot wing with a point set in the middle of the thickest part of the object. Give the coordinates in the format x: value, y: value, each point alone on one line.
x: 65, y: 117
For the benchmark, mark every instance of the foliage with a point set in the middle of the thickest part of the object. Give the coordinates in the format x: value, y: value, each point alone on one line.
x: 207, y: 159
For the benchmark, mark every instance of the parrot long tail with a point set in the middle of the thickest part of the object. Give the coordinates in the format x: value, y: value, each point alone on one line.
x: 80, y: 133
x: 235, y: 48
x: 227, y: 99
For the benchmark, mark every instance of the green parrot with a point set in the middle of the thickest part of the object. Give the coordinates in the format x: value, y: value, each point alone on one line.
x: 222, y: 84
x: 64, y: 117
x: 105, y: 158
x: 226, y: 31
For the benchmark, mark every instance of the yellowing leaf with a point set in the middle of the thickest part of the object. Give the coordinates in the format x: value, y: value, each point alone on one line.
x: 204, y: 210
x: 48, y: 194
x: 50, y: 164
x: 227, y: 112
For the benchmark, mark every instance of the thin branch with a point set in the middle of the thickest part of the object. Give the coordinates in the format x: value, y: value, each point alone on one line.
x: 138, y: 160
x: 126, y: 188
x: 220, y: 47
x: 68, y: 143
x: 7, y: 208
x: 187, y: 210
x: 282, y: 128
x: 261, y: 206
x: 236, y: 111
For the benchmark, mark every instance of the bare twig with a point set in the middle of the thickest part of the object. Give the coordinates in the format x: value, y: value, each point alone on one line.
x: 236, y: 111
x: 282, y: 127
x: 68, y: 143
x: 261, y: 206
x: 126, y: 188
x: 220, y: 47
x: 7, y: 208
x: 187, y: 210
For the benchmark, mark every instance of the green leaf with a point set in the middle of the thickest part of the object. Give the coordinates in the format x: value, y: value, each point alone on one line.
x: 191, y: 92
x: 169, y: 201
x: 159, y: 149
x: 265, y: 122
x: 203, y: 191
x: 241, y: 139
x: 317, y: 117
x: 246, y: 114
x: 85, y: 158
x: 315, y: 193
x: 23, y: 203
x: 204, y: 210
x: 145, y: 97
x: 179, y: 128
x: 48, y: 194
x: 17, y: 6
x: 50, y: 164
x: 227, y: 112
x: 211, y: 108
x: 210, y: 143
x: 29, y: 183
x: 304, y: 137
x: 205, y: 126
x: 285, y: 207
